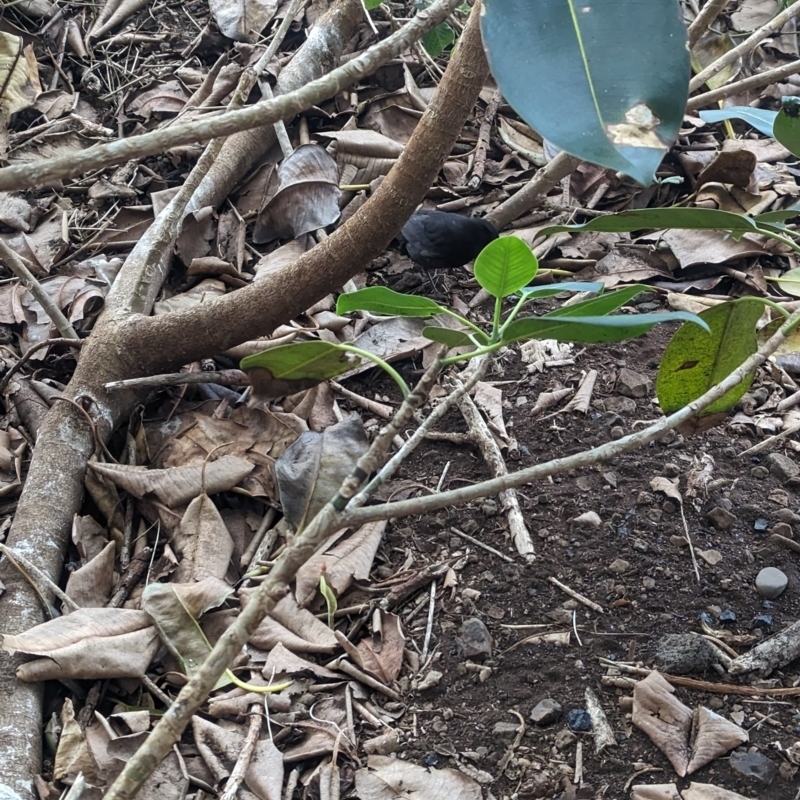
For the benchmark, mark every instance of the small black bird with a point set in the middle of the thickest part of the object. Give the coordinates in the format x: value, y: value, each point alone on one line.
x: 439, y: 240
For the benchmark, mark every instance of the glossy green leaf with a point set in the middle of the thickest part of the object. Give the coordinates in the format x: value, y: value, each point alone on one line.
x: 533, y: 292
x: 370, y: 4
x: 606, y: 81
x: 438, y: 39
x: 291, y: 368
x: 790, y: 282
x: 696, y: 360
x: 787, y: 125
x: 600, y: 306
x: 657, y: 218
x: 450, y: 337
x: 760, y: 118
x: 383, y: 301
x: 505, y: 265
x: 778, y: 216
x: 590, y: 330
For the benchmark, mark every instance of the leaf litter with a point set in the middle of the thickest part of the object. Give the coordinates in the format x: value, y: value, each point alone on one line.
x: 205, y: 472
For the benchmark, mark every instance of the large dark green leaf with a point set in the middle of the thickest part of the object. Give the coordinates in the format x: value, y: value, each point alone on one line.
x: 589, y: 330
x: 606, y: 80
x: 380, y: 300
x: 292, y: 368
x: 787, y: 125
x: 695, y: 360
x: 598, y: 306
x: 657, y: 218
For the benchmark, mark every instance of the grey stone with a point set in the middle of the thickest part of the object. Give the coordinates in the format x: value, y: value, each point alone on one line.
x: 475, y: 640
x: 546, y: 712
x: 753, y: 766
x: 782, y: 467
x: 720, y: 518
x: 788, y: 516
x: 505, y: 730
x: 682, y: 653
x: 771, y: 582
x: 633, y: 384
x: 619, y: 566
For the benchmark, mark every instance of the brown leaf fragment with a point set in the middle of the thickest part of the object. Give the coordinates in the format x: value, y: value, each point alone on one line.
x: 90, y: 586
x: 177, y: 485
x: 94, y: 643
x: 387, y: 778
x: 712, y: 737
x: 666, y: 720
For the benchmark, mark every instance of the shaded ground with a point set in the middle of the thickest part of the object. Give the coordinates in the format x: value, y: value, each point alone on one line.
x: 632, y: 566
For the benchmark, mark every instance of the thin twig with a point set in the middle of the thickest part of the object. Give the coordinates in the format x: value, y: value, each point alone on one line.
x: 576, y: 595
x: 245, y: 754
x: 479, y: 543
x: 753, y: 82
x: 28, y: 280
x: 747, y: 46
x: 711, y: 10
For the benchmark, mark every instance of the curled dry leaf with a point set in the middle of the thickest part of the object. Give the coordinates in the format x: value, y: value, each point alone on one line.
x: 349, y: 559
x: 689, y: 741
x: 91, y: 643
x: 387, y: 778
x: 202, y: 542
x: 311, y: 471
x: 307, y: 198
x: 243, y: 20
x: 663, y: 717
x: 19, y: 75
x: 177, y: 485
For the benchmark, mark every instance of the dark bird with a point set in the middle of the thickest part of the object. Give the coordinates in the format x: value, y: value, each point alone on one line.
x: 439, y: 240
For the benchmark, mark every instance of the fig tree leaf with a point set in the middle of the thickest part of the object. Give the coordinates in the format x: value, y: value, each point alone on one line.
x: 386, y: 302
x: 505, y: 265
x: 605, y: 81
x: 590, y: 330
x: 291, y: 368
x: 695, y: 360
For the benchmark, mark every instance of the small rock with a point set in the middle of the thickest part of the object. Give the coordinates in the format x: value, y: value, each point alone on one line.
x: 579, y: 720
x: 589, y: 519
x: 783, y: 529
x: 678, y: 541
x: 682, y: 653
x: 645, y: 499
x: 782, y: 467
x: 632, y: 384
x: 617, y: 432
x: 505, y: 730
x: 430, y: 761
x: 489, y: 508
x: 565, y: 739
x: 727, y: 617
x: 759, y: 473
x: 771, y: 582
x: 671, y: 470
x: 788, y: 516
x: 640, y: 545
x: 753, y: 766
x: 546, y: 712
x: 619, y: 405
x: 720, y: 518
x: 382, y: 745
x: 761, y: 622
x: 475, y: 640
x: 619, y: 566
x: 711, y: 557
x: 670, y: 507
x: 648, y: 583
x: 760, y: 524
x: 431, y: 680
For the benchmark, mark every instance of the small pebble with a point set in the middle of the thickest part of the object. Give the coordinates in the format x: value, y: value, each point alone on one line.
x: 762, y: 622
x: 753, y: 766
x: 546, y: 712
x: 727, y: 617
x: 475, y: 640
x: 760, y: 524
